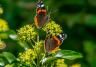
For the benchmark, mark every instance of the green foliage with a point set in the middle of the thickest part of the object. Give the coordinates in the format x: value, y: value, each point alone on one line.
x: 68, y: 54
x: 6, y: 57
x: 63, y: 54
x: 2, y: 62
x: 9, y: 56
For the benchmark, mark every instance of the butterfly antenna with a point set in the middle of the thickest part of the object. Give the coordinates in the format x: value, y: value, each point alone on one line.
x: 40, y: 0
x: 49, y: 14
x: 65, y: 36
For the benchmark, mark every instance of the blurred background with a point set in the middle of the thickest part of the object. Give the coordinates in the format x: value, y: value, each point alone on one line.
x: 76, y: 17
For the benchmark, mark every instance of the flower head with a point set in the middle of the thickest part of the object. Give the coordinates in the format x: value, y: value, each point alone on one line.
x: 39, y: 47
x: 27, y: 57
x: 9, y: 65
x: 55, y: 50
x: 76, y: 65
x: 2, y: 45
x: 1, y: 10
x: 27, y: 33
x: 52, y: 28
x: 3, y: 25
x: 60, y: 63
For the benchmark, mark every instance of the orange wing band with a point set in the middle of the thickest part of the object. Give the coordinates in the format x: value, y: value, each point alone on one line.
x: 58, y: 41
x: 36, y: 22
x: 39, y: 11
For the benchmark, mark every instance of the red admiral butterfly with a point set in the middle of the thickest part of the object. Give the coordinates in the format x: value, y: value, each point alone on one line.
x: 41, y: 15
x: 54, y: 41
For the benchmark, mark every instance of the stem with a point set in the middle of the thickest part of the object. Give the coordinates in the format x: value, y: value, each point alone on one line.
x: 52, y: 65
x: 37, y: 60
x: 38, y: 38
x: 38, y: 53
x: 31, y: 43
x: 33, y: 40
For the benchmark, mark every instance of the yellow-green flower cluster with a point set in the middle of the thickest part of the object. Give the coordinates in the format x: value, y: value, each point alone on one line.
x: 27, y: 57
x: 27, y: 33
x: 2, y: 45
x: 39, y: 47
x: 52, y: 28
x: 76, y: 65
x: 55, y: 50
x: 3, y: 25
x: 1, y: 10
x: 9, y: 65
x: 60, y: 63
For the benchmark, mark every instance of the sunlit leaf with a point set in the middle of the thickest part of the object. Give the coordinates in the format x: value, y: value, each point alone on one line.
x: 2, y: 63
x: 9, y: 56
x: 10, y: 33
x: 23, y: 44
x: 48, y: 59
x: 62, y: 54
x: 68, y: 54
x: 13, y: 36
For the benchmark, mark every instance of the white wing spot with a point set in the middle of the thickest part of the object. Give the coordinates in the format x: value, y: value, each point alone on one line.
x: 42, y: 5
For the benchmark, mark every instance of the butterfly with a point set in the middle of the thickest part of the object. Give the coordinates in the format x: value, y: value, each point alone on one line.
x: 41, y: 15
x: 52, y: 42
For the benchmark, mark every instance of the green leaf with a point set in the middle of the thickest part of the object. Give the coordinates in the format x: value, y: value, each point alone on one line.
x: 23, y: 44
x: 11, y: 65
x: 2, y: 63
x: 62, y: 54
x: 68, y: 54
x: 10, y: 33
x: 9, y: 56
x: 48, y: 59
x: 13, y: 36
x: 91, y: 20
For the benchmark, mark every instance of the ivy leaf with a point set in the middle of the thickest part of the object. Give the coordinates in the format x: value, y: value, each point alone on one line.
x: 8, y: 34
x: 62, y: 54
x: 12, y: 35
x: 2, y: 63
x: 24, y: 45
x: 68, y: 54
x: 48, y: 59
x: 9, y: 56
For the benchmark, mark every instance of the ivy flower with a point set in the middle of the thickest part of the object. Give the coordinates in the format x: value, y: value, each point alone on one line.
x: 55, y: 50
x: 76, y: 65
x: 3, y: 25
x: 60, y: 63
x: 9, y: 65
x: 27, y: 57
x: 52, y: 28
x: 1, y: 10
x: 2, y: 45
x: 27, y: 33
x: 39, y: 47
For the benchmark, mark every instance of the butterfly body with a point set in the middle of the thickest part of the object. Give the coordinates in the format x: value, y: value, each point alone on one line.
x: 51, y: 43
x: 41, y: 15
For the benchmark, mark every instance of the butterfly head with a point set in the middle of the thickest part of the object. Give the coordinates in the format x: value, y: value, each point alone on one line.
x: 41, y: 10
x: 40, y: 4
x: 62, y: 37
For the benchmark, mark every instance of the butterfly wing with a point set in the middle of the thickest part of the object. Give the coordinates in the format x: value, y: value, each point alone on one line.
x: 41, y: 20
x: 47, y: 44
x: 41, y: 15
x: 50, y: 44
